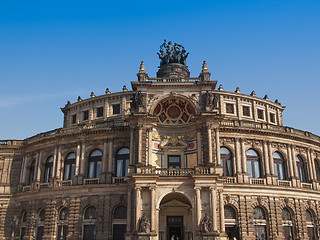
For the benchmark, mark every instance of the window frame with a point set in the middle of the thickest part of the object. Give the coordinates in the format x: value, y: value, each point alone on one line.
x: 277, y: 162
x: 71, y: 162
x: 301, y: 169
x: 251, y: 160
x: 124, y: 160
x: 48, y: 169
x: 226, y: 159
x: 96, y: 160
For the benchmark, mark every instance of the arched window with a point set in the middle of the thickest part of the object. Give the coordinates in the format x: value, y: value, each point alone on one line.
x: 31, y: 172
x: 94, y: 169
x: 63, y: 224
x: 231, y: 222
x: 89, y: 223
x: 287, y: 224
x: 48, y: 169
x: 253, y: 162
x: 69, y: 166
x: 260, y: 224
x: 316, y: 162
x: 119, y: 222
x: 23, y: 225
x: 301, y: 167
x: 226, y: 162
x: 122, y: 162
x: 310, y: 225
x: 279, y: 166
x: 40, y: 224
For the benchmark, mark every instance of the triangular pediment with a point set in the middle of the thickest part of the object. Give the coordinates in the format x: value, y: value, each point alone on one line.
x: 175, y: 203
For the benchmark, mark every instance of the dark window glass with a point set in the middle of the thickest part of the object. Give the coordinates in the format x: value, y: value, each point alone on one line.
x: 226, y: 162
x: 272, y: 117
x: 301, y: 167
x: 23, y: 217
x: 122, y: 158
x: 279, y: 166
x: 260, y: 114
x: 116, y: 108
x: 42, y: 216
x: 286, y: 215
x: 246, y: 111
x: 229, y: 108
x: 316, y: 162
x: 85, y: 115
x: 48, y: 169
x: 89, y: 232
x: 94, y: 164
x: 287, y: 223
x: 253, y: 162
x: 174, y: 161
x: 64, y: 214
x: 31, y: 172
x: 120, y: 213
x: 62, y: 232
x: 229, y: 213
x: 69, y: 166
x: 90, y: 213
x: 74, y: 118
x: 22, y: 233
x: 40, y: 232
x: 99, y: 111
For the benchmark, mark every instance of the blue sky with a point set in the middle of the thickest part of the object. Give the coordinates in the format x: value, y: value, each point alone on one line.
x: 53, y: 51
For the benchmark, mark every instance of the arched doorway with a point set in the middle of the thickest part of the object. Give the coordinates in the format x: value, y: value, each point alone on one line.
x: 175, y: 217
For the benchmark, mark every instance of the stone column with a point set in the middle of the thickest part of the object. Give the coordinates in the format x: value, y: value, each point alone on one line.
x: 238, y: 156
x: 138, y: 207
x: 105, y: 157
x: 110, y: 154
x: 271, y: 159
x: 153, y: 208
x: 218, y: 147
x: 82, y: 159
x: 131, y: 146
x: 294, y: 162
x: 150, y: 146
x: 266, y: 158
x: 290, y: 161
x: 214, y: 209
x: 198, y: 209
x: 199, y: 148
x: 139, y: 145
x: 129, y: 211
x: 55, y: 157
x: 37, y: 174
x: 210, y: 160
x: 221, y: 205
x: 312, y: 178
x: 313, y: 165
x: 78, y: 159
x: 58, y: 172
x: 24, y: 170
x: 244, y: 158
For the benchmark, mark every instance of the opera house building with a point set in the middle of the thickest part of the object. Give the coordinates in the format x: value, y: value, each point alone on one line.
x: 176, y: 157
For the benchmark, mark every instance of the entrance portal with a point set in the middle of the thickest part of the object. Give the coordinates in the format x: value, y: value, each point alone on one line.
x: 175, y: 217
x: 175, y: 227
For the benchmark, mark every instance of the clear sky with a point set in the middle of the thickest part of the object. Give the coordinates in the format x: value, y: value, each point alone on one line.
x: 53, y: 51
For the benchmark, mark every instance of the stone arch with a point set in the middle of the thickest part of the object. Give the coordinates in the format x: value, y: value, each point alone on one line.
x: 173, y: 95
x: 286, y: 204
x: 232, y: 202
x: 186, y: 195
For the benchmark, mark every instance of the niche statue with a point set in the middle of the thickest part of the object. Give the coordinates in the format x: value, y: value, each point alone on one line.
x: 206, y: 224
x: 144, y: 224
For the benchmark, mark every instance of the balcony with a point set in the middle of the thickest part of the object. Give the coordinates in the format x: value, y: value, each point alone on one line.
x: 91, y: 181
x: 118, y: 180
x: 284, y: 183
x: 306, y: 185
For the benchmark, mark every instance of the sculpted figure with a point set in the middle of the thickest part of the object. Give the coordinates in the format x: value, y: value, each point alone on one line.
x: 206, y: 224
x: 183, y: 56
x: 144, y: 224
x: 215, y: 100
x: 169, y: 47
x: 162, y: 56
x: 207, y: 98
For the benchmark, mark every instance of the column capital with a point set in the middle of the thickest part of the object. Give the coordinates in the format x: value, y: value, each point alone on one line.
x: 197, y: 188
x: 220, y: 191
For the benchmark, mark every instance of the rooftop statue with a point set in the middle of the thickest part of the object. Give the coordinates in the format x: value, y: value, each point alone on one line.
x: 169, y: 53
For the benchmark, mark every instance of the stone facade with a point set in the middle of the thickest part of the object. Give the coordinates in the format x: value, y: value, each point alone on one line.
x: 174, y: 156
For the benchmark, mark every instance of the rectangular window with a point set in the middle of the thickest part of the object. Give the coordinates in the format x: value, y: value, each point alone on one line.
x: 272, y: 117
x: 246, y: 111
x: 229, y: 108
x: 74, y: 118
x: 99, y: 111
x: 174, y: 161
x: 85, y: 115
x: 260, y: 114
x: 116, y: 109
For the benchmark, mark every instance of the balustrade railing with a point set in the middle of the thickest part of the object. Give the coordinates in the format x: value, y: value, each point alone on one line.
x: 91, y: 181
x: 174, y: 171
x: 43, y: 185
x: 306, y: 185
x: 284, y: 183
x: 26, y: 188
x: 258, y: 181
x: 118, y: 180
x: 65, y: 183
x: 231, y: 180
